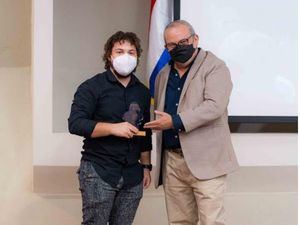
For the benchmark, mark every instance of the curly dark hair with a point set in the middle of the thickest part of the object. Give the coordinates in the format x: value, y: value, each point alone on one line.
x: 120, y: 36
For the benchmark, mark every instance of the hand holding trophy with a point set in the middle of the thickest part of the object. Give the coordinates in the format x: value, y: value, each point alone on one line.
x: 134, y: 117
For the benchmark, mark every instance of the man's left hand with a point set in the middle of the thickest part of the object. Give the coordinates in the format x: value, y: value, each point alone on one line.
x: 147, y: 178
x: 164, y: 122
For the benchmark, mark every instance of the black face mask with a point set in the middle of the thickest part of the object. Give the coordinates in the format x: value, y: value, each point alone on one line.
x: 182, y: 53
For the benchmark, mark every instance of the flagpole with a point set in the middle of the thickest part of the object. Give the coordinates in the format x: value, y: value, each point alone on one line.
x: 176, y: 10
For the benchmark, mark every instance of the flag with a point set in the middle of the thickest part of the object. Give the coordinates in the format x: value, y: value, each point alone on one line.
x: 161, y: 15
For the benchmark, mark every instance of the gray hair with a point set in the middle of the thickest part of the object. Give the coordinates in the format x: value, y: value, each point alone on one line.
x: 178, y: 23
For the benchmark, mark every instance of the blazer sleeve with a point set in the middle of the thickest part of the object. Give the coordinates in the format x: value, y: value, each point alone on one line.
x: 217, y: 90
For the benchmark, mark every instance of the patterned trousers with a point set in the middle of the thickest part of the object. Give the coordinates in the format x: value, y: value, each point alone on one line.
x: 103, y: 204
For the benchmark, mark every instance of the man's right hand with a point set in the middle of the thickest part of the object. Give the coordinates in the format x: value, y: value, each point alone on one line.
x: 123, y: 129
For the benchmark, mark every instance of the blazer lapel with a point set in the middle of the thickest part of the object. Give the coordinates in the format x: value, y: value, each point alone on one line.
x: 162, y: 90
x: 195, y: 67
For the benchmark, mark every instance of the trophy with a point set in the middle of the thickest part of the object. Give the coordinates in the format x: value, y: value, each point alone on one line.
x: 135, y: 117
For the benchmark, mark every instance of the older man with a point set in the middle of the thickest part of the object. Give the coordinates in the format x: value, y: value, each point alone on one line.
x: 194, y: 149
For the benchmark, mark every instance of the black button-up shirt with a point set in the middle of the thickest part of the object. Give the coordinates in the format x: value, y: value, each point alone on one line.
x: 173, y: 91
x: 104, y: 99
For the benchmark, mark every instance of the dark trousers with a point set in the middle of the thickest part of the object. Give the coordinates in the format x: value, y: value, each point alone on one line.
x: 102, y: 203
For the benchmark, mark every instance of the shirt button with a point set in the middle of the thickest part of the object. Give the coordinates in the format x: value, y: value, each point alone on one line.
x: 176, y: 104
x: 176, y: 75
x: 178, y: 89
x: 176, y: 136
x: 179, y: 130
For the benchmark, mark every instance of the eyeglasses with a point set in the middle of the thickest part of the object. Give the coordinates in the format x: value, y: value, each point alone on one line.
x: 173, y: 45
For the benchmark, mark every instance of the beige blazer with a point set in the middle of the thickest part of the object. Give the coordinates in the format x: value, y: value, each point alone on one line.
x: 206, y: 142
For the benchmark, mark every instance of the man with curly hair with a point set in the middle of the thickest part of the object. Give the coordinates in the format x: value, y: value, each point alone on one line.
x: 115, y: 164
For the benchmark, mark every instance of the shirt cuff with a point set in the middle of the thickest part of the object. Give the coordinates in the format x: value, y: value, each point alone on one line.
x: 177, y: 123
x: 89, y: 128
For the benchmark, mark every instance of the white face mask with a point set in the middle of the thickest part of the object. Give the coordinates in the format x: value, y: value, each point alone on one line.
x: 124, y: 64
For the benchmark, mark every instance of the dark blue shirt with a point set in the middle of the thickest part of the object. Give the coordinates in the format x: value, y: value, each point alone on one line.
x: 103, y: 99
x: 173, y: 92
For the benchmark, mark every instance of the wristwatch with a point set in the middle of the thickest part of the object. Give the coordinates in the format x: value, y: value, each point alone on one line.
x: 149, y: 166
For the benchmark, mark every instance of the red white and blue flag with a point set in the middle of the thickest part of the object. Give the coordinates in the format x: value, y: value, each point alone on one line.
x: 161, y: 15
